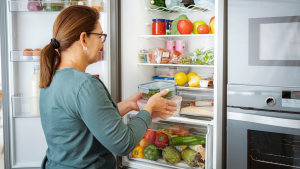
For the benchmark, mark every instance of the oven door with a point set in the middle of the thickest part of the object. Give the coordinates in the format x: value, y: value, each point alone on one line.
x: 264, y: 42
x: 261, y: 139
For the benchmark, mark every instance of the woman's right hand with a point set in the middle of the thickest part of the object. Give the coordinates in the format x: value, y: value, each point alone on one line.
x: 158, y: 106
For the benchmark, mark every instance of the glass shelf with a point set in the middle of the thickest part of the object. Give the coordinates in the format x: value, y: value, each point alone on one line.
x: 174, y: 36
x: 177, y: 65
x: 42, y: 6
x: 34, y: 56
x: 21, y: 106
x: 207, y: 5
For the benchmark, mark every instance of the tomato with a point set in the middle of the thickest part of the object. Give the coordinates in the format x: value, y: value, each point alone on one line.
x: 203, y: 29
x: 150, y: 135
x: 185, y: 27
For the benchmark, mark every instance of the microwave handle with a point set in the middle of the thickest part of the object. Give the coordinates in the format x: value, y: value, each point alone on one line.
x: 266, y: 120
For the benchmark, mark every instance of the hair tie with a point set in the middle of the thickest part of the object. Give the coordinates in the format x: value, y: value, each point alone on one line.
x: 54, y: 43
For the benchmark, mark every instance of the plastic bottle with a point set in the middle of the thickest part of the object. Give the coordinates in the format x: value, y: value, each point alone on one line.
x: 35, y: 92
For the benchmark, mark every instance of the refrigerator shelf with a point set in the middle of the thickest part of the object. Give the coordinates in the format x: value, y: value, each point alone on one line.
x: 174, y: 36
x: 177, y: 65
x: 206, y: 6
x: 21, y: 106
x: 27, y: 56
x: 41, y: 6
x: 195, y: 88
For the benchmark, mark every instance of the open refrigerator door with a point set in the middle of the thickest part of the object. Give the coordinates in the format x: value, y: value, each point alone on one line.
x: 28, y: 25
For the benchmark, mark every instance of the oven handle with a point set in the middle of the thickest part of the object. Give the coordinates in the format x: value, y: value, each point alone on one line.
x: 267, y: 120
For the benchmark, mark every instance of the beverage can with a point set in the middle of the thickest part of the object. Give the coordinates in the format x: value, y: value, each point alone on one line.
x: 171, y: 45
x: 180, y: 46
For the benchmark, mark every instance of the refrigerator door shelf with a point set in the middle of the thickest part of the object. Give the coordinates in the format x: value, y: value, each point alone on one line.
x: 176, y: 36
x: 21, y: 106
x: 41, y: 6
x: 24, y: 56
x: 200, y: 128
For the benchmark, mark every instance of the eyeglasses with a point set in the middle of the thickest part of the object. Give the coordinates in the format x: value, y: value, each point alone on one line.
x: 103, y: 36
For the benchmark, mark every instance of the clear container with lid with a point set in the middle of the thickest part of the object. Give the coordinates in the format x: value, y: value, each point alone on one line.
x: 164, y: 78
x: 53, y: 5
x: 169, y: 71
x: 177, y: 99
x: 151, y: 88
x: 158, y: 27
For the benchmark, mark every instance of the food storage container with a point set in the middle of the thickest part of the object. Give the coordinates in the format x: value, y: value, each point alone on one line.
x: 205, y: 83
x: 53, y: 5
x: 163, y: 78
x: 177, y: 99
x: 158, y: 27
x: 169, y: 71
x: 151, y: 88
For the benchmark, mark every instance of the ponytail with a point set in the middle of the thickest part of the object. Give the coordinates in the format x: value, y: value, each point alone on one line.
x: 49, y: 61
x: 68, y: 26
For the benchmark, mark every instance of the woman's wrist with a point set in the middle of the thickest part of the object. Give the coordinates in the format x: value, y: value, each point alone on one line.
x: 148, y: 108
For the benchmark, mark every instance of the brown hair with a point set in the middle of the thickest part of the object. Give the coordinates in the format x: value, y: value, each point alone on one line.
x: 68, y: 26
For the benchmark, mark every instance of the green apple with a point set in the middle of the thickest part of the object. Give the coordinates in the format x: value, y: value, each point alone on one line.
x: 196, y: 24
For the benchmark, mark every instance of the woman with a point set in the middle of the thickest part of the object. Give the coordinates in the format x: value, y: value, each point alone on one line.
x: 82, y: 124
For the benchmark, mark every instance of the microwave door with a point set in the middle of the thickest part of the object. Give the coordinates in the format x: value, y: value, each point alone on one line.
x: 264, y: 42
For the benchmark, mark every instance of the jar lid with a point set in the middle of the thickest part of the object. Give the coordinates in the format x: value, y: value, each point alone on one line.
x: 158, y: 20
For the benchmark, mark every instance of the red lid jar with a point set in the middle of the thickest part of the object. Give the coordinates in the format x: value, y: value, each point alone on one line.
x: 158, y: 27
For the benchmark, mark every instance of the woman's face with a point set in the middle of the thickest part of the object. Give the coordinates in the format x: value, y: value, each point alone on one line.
x: 94, y: 44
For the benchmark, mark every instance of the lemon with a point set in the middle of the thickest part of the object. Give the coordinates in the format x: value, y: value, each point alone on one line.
x: 195, y: 81
x: 191, y: 75
x: 180, y: 78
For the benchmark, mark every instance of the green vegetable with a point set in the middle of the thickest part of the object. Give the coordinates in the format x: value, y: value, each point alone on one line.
x: 204, y: 56
x: 152, y: 153
x: 153, y: 92
x: 193, y: 159
x: 174, y: 24
x: 171, y: 155
x: 186, y: 140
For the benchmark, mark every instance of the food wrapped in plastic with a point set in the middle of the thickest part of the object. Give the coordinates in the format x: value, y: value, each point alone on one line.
x: 204, y: 56
x: 186, y: 58
x: 175, y: 56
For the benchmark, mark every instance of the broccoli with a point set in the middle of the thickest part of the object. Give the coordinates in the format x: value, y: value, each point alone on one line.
x: 174, y: 24
x: 151, y: 93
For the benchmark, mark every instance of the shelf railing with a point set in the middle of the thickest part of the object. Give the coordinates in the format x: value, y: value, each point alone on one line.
x: 206, y: 6
x: 21, y: 106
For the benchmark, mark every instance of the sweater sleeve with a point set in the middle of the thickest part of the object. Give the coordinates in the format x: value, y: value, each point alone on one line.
x: 105, y: 122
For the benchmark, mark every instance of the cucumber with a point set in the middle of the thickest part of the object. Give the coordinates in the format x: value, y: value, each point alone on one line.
x: 186, y: 140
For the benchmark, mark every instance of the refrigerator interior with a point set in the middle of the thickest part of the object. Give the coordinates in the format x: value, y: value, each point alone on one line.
x: 136, y: 34
x: 33, y: 29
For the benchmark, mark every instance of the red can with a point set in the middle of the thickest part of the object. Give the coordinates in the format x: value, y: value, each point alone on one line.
x: 158, y: 27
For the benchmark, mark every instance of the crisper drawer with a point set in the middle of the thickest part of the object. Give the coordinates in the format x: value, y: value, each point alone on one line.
x: 197, y: 102
x: 180, y: 143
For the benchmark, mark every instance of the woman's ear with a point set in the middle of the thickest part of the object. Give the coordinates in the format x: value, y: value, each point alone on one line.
x: 83, y: 40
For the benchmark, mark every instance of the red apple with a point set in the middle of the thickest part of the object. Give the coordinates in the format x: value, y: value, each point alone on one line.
x: 203, y: 29
x: 185, y: 27
x: 211, y: 19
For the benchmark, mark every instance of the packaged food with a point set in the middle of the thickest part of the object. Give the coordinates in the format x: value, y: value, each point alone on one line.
x: 169, y: 71
x: 185, y: 58
x: 203, y: 56
x: 180, y: 46
x: 205, y: 83
x: 36, y: 54
x: 177, y: 99
x: 168, y: 27
x: 158, y: 27
x: 163, y: 78
x: 170, y: 45
x: 27, y: 54
x: 175, y: 56
x: 53, y: 5
x: 35, y: 5
x: 151, y: 88
x: 143, y: 55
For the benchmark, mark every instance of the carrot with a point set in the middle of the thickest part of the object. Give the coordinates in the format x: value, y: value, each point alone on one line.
x: 183, y: 133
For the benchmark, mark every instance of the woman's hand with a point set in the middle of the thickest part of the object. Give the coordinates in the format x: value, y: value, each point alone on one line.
x: 129, y: 104
x: 158, y: 106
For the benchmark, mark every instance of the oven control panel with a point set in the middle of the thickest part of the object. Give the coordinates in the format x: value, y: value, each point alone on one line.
x: 291, y: 99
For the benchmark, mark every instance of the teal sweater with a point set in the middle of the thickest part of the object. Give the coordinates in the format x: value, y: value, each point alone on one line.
x: 82, y: 124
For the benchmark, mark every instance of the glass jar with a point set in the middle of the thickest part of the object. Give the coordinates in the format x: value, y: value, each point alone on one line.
x: 35, y: 5
x: 158, y: 27
x: 53, y: 5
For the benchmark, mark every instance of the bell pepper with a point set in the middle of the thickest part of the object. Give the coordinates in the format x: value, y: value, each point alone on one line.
x: 150, y: 135
x: 152, y: 153
x: 164, y: 131
x: 138, y: 152
x: 161, y: 140
x: 144, y: 143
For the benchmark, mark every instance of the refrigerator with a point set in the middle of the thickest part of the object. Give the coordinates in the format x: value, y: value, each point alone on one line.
x: 128, y: 25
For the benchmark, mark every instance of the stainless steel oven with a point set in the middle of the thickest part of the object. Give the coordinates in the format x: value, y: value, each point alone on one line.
x: 263, y: 127
x: 264, y: 42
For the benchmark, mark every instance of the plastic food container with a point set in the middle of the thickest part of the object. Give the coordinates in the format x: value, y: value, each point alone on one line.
x: 205, y: 83
x: 177, y: 99
x: 170, y: 71
x: 163, y: 78
x: 151, y: 88
x: 158, y: 27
